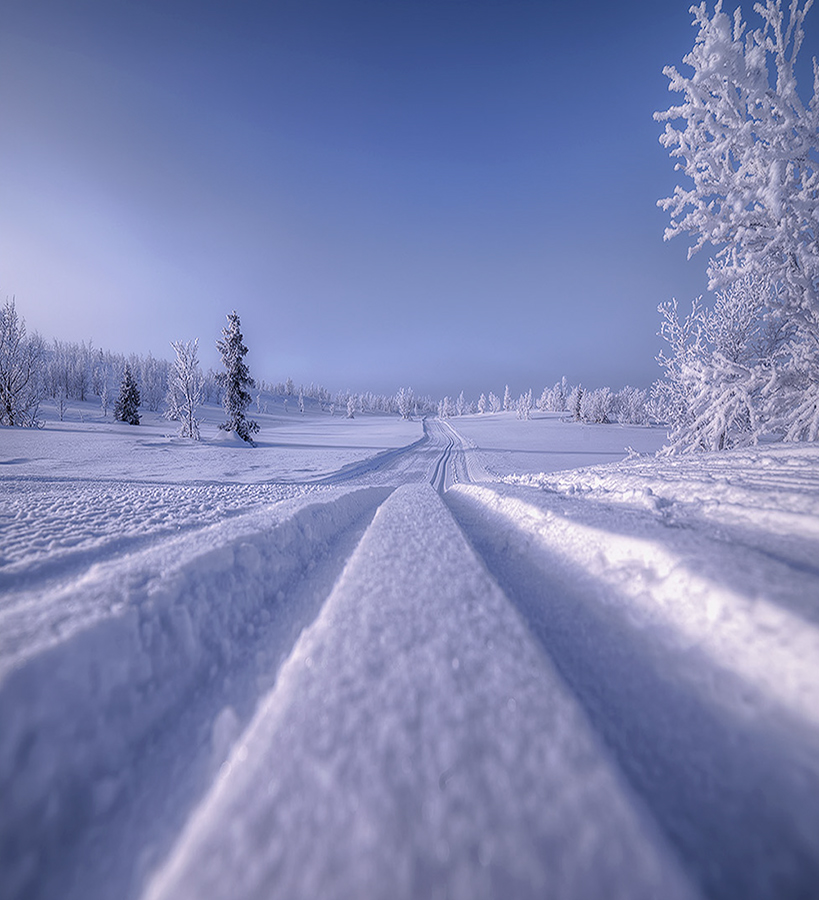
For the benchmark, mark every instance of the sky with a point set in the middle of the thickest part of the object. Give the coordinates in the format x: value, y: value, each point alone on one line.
x: 444, y: 194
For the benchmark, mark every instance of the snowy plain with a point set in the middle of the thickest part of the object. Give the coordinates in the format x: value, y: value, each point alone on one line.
x: 475, y: 658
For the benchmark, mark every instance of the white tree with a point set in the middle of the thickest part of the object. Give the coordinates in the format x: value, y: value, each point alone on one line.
x: 524, y: 406
x: 508, y: 403
x: 495, y: 403
x: 631, y: 406
x: 750, y: 147
x: 351, y: 407
x: 460, y: 404
x: 596, y: 406
x: 185, y: 387
x: 405, y: 400
x: 574, y: 401
x: 482, y: 404
x: 22, y: 368
x: 719, y: 371
x: 236, y: 380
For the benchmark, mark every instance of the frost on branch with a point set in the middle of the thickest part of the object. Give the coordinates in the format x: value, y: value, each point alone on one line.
x: 749, y: 147
x: 185, y: 387
x: 21, y: 369
x: 235, y: 381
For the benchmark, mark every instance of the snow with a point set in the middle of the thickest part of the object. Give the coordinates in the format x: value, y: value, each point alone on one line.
x: 464, y: 658
x: 550, y: 442
x: 446, y: 760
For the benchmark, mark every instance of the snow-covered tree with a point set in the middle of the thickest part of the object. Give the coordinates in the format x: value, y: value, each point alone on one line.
x: 560, y: 395
x: 351, y: 404
x: 236, y: 380
x: 631, y: 406
x: 126, y: 408
x: 21, y: 369
x: 482, y: 404
x: 153, y: 380
x: 750, y: 147
x: 719, y: 371
x: 508, y: 403
x: 460, y: 405
x: 524, y: 405
x: 596, y: 406
x: 185, y: 384
x: 574, y: 402
x: 495, y: 403
x: 406, y: 402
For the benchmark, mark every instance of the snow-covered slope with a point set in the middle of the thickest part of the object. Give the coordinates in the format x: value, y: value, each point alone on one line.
x: 576, y: 683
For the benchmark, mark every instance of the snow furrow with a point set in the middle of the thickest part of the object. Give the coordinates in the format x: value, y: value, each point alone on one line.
x: 689, y: 661
x: 418, y: 744
x: 114, y: 654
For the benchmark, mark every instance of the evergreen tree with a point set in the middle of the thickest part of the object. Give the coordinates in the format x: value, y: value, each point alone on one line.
x: 126, y: 409
x: 236, y: 381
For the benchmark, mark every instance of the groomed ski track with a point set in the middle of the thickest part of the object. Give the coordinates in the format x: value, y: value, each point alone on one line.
x: 417, y: 682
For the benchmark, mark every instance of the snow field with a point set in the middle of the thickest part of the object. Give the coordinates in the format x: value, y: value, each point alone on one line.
x: 418, y: 743
x: 687, y: 653
x: 111, y: 654
x: 501, y: 443
x: 51, y: 527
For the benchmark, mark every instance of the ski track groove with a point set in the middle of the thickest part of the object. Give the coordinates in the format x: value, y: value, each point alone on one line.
x: 724, y: 787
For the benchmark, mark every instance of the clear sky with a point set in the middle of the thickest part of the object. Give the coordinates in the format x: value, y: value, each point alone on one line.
x: 447, y: 194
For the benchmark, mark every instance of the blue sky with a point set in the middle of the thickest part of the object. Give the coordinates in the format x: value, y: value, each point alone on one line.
x: 448, y: 194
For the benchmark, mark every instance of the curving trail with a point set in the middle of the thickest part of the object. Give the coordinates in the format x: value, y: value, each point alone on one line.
x: 418, y: 681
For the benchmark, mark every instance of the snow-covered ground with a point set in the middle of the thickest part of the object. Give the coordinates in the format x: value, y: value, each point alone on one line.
x: 376, y: 658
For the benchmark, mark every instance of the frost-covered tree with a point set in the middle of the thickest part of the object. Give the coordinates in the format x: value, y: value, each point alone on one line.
x: 560, y: 395
x: 482, y: 404
x: 105, y: 399
x: 508, y: 403
x: 153, y: 380
x: 749, y: 146
x: 351, y: 404
x: 596, y: 406
x: 495, y: 403
x: 460, y: 404
x: 574, y: 402
x: 21, y: 369
x: 524, y: 405
x: 631, y: 406
x: 406, y: 402
x: 236, y: 380
x: 719, y: 371
x: 126, y: 408
x: 185, y: 386
x: 301, y: 400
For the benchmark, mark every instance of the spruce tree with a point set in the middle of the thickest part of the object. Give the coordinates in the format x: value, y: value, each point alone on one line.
x: 126, y: 409
x: 235, y: 380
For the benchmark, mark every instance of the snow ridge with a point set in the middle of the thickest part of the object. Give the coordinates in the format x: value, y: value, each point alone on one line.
x: 129, y: 642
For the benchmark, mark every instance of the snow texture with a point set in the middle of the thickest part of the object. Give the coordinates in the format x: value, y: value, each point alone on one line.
x: 372, y: 657
x: 419, y: 744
